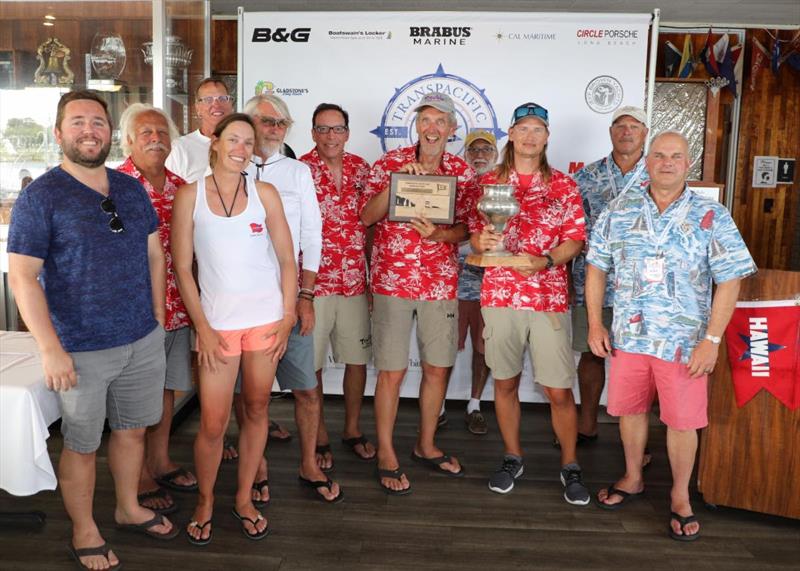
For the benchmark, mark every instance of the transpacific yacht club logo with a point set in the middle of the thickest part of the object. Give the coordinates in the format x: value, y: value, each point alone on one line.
x: 473, y: 111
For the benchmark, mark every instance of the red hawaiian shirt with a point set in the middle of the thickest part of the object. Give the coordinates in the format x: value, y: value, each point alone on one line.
x: 549, y: 215
x: 342, y: 267
x: 404, y: 264
x: 177, y: 316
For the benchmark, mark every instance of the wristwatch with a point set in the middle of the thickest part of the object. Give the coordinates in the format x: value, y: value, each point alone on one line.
x: 550, y: 262
x: 713, y: 338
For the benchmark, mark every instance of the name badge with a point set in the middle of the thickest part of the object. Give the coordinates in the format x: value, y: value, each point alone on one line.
x: 654, y: 269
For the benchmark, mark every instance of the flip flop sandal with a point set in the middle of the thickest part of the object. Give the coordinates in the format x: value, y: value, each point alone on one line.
x: 393, y: 475
x: 323, y: 449
x: 201, y: 526
x: 435, y: 464
x: 275, y: 427
x: 229, y: 446
x: 168, y: 480
x: 259, y: 535
x: 683, y: 521
x: 146, y: 528
x: 359, y: 441
x: 626, y: 497
x: 87, y: 551
x: 257, y: 486
x: 158, y: 494
x: 316, y: 485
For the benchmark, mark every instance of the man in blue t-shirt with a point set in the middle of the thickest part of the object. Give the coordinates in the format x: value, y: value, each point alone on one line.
x: 88, y: 272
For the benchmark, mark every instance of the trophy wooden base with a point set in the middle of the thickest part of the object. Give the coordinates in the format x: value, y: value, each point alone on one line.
x: 508, y: 260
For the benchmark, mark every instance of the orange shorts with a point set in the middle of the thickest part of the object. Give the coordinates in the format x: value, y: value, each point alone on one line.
x: 248, y: 339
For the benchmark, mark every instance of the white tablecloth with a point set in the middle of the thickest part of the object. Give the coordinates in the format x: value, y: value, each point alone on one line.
x: 27, y: 408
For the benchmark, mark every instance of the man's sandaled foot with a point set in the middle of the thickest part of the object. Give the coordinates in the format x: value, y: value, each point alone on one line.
x: 624, y: 496
x: 229, y: 452
x: 324, y: 457
x: 146, y: 528
x: 173, y: 478
x: 101, y: 551
x: 201, y: 527
x: 359, y: 446
x: 258, y: 488
x: 158, y: 501
x: 397, y: 475
x: 252, y: 533
x: 317, y: 485
x: 683, y: 521
x: 277, y: 433
x: 435, y: 464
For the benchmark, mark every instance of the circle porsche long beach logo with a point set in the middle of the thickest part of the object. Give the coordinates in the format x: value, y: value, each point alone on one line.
x: 473, y: 111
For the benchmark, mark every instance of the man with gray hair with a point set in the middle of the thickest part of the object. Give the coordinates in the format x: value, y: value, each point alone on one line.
x: 414, y: 272
x: 146, y: 136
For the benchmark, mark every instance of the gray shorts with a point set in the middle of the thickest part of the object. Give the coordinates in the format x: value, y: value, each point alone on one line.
x: 124, y: 384
x: 296, y: 367
x: 344, y: 322
x: 580, y: 327
x: 179, y: 359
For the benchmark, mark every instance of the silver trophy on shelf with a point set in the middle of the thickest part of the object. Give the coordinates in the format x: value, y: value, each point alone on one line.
x: 176, y: 62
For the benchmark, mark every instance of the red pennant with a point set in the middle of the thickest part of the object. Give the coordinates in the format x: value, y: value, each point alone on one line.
x: 763, y: 340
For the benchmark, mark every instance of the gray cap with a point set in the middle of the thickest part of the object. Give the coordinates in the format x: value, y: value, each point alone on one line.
x: 440, y: 101
x: 631, y: 111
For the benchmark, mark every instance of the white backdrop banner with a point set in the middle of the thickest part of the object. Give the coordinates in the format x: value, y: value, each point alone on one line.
x: 378, y: 65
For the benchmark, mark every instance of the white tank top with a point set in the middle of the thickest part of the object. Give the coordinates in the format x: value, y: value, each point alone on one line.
x: 238, y: 272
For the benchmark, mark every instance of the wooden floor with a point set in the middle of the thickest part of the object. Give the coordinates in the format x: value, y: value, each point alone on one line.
x: 444, y: 524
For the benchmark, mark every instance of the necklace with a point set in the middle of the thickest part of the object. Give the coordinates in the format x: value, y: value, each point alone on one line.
x: 228, y: 213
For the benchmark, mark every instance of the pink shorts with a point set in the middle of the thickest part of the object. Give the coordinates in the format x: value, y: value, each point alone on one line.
x: 636, y: 379
x: 248, y: 339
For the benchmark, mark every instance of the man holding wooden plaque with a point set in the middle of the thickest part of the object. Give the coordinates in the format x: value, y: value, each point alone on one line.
x: 420, y: 219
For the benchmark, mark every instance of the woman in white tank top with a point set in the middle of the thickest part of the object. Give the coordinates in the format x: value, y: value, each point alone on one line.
x: 243, y: 312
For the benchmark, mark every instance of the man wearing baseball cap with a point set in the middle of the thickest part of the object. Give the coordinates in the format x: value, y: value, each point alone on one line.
x: 414, y: 272
x: 623, y: 170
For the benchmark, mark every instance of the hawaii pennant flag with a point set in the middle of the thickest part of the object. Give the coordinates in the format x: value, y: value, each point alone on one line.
x: 763, y: 339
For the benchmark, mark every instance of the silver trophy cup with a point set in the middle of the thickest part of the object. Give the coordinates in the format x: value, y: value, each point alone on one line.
x: 498, y: 205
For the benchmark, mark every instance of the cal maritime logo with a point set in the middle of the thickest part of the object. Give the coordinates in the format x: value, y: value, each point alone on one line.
x: 603, y: 94
x: 473, y: 110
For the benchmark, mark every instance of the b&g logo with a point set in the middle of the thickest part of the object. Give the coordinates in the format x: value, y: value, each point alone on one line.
x: 281, y: 35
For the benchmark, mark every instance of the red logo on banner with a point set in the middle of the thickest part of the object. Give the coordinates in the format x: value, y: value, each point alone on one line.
x: 764, y: 352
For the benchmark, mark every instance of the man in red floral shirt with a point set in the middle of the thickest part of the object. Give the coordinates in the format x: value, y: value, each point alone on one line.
x: 527, y: 305
x: 340, y: 300
x: 146, y: 136
x: 414, y: 270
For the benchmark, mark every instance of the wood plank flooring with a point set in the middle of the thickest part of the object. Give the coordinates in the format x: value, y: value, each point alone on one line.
x: 443, y: 524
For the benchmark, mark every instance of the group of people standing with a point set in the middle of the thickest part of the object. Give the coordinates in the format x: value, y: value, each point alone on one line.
x: 281, y: 249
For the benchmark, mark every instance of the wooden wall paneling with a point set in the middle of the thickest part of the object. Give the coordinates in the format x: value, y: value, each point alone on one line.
x: 224, y: 44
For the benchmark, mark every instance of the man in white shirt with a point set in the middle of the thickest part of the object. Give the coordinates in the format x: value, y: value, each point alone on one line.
x: 189, y: 156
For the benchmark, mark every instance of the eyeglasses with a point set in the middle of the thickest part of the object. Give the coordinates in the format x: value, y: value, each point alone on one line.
x: 530, y: 110
x: 209, y: 99
x: 115, y: 224
x: 272, y: 122
x: 325, y: 129
x: 480, y: 150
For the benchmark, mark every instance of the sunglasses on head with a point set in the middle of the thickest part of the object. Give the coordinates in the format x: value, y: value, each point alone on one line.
x: 115, y: 223
x: 530, y: 110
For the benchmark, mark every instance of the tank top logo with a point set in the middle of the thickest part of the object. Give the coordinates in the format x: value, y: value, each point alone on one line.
x: 256, y: 229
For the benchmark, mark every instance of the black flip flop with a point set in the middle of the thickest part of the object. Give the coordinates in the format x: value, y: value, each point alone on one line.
x: 394, y: 475
x: 435, y: 464
x: 259, y: 535
x: 683, y: 521
x: 146, y: 526
x: 323, y: 449
x: 199, y: 542
x: 257, y: 487
x: 351, y: 443
x: 158, y: 493
x: 87, y: 551
x: 168, y: 481
x: 626, y: 497
x: 316, y: 485
x: 275, y: 427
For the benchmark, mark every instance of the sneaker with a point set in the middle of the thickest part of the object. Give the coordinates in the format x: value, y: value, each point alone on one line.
x: 575, y: 491
x: 476, y: 424
x: 502, y: 481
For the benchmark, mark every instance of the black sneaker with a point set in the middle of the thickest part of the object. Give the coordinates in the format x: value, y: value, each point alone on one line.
x: 575, y: 491
x: 502, y: 481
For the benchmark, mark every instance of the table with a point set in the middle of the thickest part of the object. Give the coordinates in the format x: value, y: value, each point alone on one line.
x: 27, y: 409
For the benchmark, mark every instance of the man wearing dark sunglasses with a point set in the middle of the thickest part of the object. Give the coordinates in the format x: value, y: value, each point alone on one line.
x: 91, y: 234
x: 189, y: 156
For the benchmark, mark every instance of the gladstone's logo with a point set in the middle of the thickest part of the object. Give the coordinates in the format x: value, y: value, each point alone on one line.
x: 439, y: 35
x: 473, y: 111
x: 281, y: 35
x: 264, y: 87
x: 603, y: 94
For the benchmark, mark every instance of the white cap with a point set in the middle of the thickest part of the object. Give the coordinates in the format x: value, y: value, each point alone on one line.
x: 635, y: 112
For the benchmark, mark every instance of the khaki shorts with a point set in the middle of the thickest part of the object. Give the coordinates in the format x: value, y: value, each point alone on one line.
x: 506, y: 333
x: 344, y: 321
x: 392, y: 318
x: 580, y: 327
